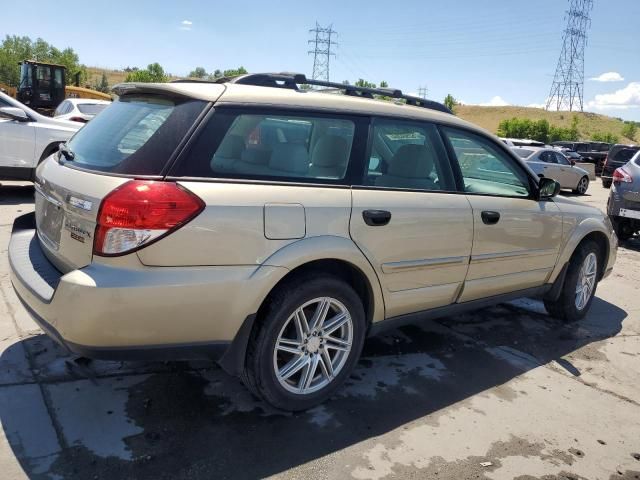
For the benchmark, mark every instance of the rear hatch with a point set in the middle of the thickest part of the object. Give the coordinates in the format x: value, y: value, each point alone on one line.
x: 620, y: 156
x: 135, y: 137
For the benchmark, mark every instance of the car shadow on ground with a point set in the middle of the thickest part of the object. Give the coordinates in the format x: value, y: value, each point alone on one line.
x: 16, y: 194
x: 191, y: 420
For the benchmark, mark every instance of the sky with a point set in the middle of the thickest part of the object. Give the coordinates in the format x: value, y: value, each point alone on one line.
x: 494, y: 52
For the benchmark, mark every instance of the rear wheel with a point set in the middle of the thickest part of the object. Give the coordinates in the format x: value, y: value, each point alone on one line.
x: 623, y: 228
x: 579, y: 285
x: 582, y: 186
x: 307, y: 343
x: 606, y: 183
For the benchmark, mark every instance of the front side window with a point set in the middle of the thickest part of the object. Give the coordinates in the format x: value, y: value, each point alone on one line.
x: 548, y: 157
x: 303, y: 147
x: 561, y: 159
x: 408, y: 155
x: 486, y: 169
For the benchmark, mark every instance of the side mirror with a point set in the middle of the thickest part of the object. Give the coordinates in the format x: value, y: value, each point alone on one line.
x: 547, y: 188
x: 14, y: 113
x: 573, y: 162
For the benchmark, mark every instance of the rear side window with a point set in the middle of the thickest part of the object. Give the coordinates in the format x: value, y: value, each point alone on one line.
x: 136, y: 135
x: 624, y: 155
x: 408, y: 155
x: 277, y: 146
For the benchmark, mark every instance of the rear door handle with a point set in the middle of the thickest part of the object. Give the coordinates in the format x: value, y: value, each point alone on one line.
x: 376, y: 218
x: 490, y: 218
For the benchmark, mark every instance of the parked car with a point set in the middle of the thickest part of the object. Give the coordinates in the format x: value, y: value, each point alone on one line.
x: 592, y: 152
x: 79, y: 109
x: 571, y: 155
x: 617, y: 157
x: 27, y: 138
x: 274, y: 229
x: 521, y: 142
x: 547, y: 162
x: 623, y: 206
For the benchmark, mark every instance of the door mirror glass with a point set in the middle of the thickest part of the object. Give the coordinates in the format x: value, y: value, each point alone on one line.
x: 14, y: 113
x: 548, y: 188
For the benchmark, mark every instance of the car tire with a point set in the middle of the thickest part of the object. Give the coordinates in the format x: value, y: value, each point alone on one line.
x: 583, y: 185
x: 606, y: 183
x: 623, y: 229
x: 279, y: 343
x: 573, y: 303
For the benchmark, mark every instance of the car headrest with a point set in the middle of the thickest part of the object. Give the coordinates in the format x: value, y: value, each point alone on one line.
x: 411, y: 161
x: 290, y: 157
x: 330, y: 151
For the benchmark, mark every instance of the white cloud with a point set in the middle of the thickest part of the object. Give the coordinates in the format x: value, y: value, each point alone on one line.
x: 186, y: 25
x: 537, y: 105
x: 623, y: 99
x: 496, y: 101
x: 608, y: 77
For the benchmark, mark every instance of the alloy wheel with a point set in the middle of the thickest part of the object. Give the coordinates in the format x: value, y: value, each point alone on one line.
x: 586, y: 280
x: 583, y: 184
x: 313, y: 345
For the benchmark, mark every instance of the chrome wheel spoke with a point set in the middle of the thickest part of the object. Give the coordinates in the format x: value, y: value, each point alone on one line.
x: 337, y: 344
x: 289, y: 346
x: 326, y: 364
x: 320, y: 314
x: 586, y: 281
x: 293, y: 367
x: 335, y: 323
x: 302, y: 326
x: 308, y: 373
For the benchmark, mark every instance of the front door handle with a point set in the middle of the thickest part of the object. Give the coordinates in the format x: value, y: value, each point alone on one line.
x: 490, y: 218
x: 376, y: 218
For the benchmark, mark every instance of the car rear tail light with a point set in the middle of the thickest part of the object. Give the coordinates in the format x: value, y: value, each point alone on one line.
x: 140, y: 212
x: 78, y: 119
x: 620, y: 175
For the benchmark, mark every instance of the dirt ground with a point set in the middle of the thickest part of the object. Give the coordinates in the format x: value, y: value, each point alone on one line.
x: 505, y: 392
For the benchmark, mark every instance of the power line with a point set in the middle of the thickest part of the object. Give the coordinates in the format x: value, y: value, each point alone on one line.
x: 567, y: 89
x: 322, y: 53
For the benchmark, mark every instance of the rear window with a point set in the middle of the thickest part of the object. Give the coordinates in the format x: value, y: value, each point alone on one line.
x: 624, y: 155
x: 136, y: 135
x: 523, y: 152
x: 299, y: 147
x: 91, y: 108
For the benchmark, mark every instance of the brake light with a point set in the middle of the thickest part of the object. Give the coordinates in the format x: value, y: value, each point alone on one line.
x: 78, y: 119
x: 620, y: 175
x: 140, y: 212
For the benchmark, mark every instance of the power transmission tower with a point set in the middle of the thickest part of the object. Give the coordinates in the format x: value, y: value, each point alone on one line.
x: 567, y: 89
x: 423, y: 92
x: 322, y: 53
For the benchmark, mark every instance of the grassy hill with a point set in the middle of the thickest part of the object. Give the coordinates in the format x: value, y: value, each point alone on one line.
x: 588, y: 123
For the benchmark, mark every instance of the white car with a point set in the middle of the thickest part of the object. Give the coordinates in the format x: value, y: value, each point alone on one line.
x: 80, y: 109
x: 548, y: 162
x: 27, y: 138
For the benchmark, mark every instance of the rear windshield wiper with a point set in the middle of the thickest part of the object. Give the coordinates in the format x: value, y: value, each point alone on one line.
x: 64, y: 150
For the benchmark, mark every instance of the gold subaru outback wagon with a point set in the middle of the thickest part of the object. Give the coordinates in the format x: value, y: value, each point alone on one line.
x: 273, y: 228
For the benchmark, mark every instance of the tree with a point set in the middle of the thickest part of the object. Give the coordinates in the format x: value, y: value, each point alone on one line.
x: 629, y: 130
x: 450, y: 102
x: 606, y: 137
x: 384, y: 84
x: 103, y: 85
x: 365, y: 84
x: 234, y: 72
x: 153, y: 73
x: 199, y: 72
x: 15, y: 49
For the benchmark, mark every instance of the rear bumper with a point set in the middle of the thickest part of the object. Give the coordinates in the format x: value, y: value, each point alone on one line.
x: 107, y: 312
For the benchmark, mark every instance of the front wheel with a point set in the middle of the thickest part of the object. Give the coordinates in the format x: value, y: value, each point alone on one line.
x: 582, y: 186
x: 307, y: 343
x: 579, y: 285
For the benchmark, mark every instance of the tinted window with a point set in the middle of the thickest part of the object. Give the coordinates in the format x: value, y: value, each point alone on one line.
x: 291, y: 146
x: 408, y: 155
x: 561, y: 159
x: 135, y: 135
x: 624, y: 155
x: 91, y: 108
x: 548, y: 157
x: 486, y: 168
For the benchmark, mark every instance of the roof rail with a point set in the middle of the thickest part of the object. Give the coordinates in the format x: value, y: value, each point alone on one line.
x: 292, y: 80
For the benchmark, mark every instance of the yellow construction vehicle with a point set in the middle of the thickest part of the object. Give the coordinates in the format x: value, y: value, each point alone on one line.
x: 42, y: 86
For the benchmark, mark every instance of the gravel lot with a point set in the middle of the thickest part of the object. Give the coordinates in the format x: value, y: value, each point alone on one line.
x: 506, y: 392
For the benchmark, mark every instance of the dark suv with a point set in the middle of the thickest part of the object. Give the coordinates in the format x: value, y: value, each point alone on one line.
x: 617, y: 157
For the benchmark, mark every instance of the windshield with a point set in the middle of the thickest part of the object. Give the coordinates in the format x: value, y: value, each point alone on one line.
x: 135, y: 135
x: 92, y: 108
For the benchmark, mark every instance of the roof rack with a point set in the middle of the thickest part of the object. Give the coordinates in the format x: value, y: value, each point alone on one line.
x: 292, y: 80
